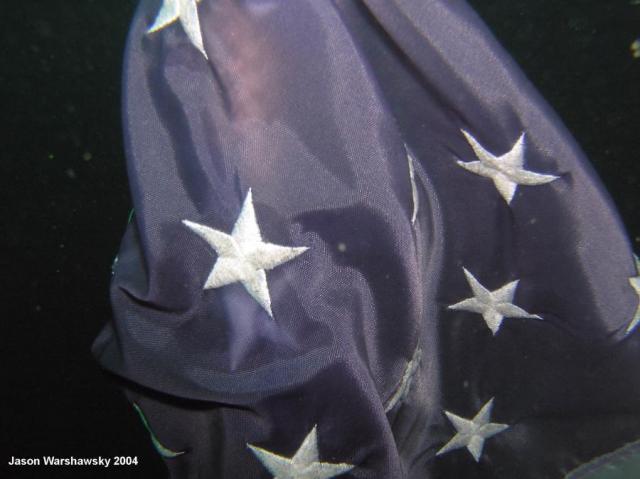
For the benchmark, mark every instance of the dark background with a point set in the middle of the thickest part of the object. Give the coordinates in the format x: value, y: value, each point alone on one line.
x: 65, y: 201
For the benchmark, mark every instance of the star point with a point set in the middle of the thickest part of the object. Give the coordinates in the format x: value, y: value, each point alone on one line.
x: 634, y: 281
x: 305, y: 463
x: 506, y: 171
x: 186, y: 11
x: 494, y: 306
x: 414, y: 187
x: 243, y: 257
x: 406, y: 383
x: 471, y: 433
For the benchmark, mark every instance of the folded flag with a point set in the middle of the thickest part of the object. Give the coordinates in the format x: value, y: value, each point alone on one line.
x: 363, y: 246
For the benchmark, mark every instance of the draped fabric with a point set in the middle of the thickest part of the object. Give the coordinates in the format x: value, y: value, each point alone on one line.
x: 390, y: 149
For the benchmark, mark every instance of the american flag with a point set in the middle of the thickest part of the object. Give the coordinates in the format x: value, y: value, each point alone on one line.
x: 363, y: 246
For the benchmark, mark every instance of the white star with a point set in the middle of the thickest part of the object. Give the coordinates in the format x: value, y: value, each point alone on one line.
x: 187, y: 12
x: 304, y: 464
x: 242, y: 256
x: 472, y: 433
x: 493, y: 305
x: 506, y: 171
x: 635, y: 284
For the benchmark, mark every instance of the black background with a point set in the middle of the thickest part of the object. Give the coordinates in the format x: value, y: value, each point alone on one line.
x: 65, y: 201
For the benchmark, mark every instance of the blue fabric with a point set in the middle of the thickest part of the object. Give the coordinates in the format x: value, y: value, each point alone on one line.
x: 312, y: 105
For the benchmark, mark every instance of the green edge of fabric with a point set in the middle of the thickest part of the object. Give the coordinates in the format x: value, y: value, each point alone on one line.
x: 163, y: 451
x: 624, y: 463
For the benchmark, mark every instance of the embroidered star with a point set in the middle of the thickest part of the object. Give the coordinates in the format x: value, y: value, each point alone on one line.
x: 471, y: 433
x: 242, y: 255
x: 635, y: 284
x: 187, y: 12
x: 304, y: 464
x: 506, y: 171
x: 494, y: 306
